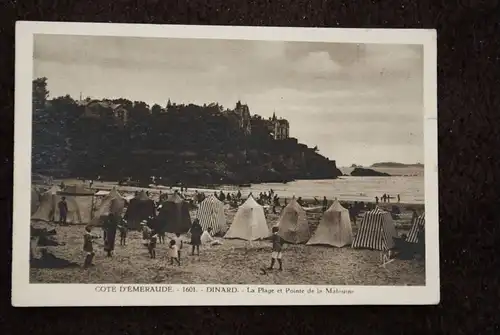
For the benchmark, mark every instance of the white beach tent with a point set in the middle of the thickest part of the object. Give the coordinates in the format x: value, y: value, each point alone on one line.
x: 376, y: 231
x: 334, y: 228
x: 80, y: 202
x: 47, y: 205
x: 293, y: 225
x: 418, y: 225
x: 113, y: 202
x: 211, y: 215
x: 249, y: 222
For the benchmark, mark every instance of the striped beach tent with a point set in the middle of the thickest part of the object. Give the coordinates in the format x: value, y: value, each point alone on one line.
x: 249, y: 222
x: 211, y: 215
x: 293, y: 225
x: 418, y: 225
x: 376, y: 231
x: 334, y: 228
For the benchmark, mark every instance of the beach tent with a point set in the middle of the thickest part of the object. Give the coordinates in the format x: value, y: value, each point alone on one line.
x: 173, y: 216
x: 47, y: 206
x: 211, y: 215
x: 35, y: 200
x: 418, y: 225
x: 140, y: 208
x: 334, y: 228
x: 80, y: 204
x: 113, y: 202
x: 293, y: 225
x: 376, y: 231
x: 249, y: 222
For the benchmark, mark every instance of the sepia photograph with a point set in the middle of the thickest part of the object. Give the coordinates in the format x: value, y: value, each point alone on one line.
x: 227, y: 161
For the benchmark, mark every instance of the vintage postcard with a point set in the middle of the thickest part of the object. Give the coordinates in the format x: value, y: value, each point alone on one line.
x: 210, y: 165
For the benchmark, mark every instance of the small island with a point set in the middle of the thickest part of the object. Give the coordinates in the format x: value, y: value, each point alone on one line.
x: 363, y: 172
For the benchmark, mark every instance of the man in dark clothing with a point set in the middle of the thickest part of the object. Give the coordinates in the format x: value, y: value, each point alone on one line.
x: 325, y: 204
x: 110, y: 227
x: 63, y: 211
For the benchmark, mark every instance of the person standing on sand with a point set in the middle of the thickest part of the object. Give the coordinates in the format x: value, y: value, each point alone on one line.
x: 88, y: 246
x: 179, y: 244
x: 63, y: 211
x: 196, y: 232
x: 277, y: 248
x: 110, y: 227
x: 152, y: 244
x: 325, y: 204
x: 173, y: 253
x: 123, y: 232
x: 399, y: 198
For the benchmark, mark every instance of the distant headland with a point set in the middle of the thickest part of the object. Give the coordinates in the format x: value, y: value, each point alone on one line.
x: 395, y: 165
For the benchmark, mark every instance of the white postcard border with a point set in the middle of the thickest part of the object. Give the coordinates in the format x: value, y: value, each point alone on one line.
x: 25, y: 294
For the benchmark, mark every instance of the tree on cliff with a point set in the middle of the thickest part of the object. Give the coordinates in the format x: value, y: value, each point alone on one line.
x: 187, y: 143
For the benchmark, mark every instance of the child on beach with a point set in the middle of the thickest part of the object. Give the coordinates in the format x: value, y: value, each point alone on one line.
x: 196, y: 232
x: 123, y: 233
x: 161, y: 235
x: 179, y: 244
x: 152, y: 245
x: 146, y: 231
x: 173, y: 253
x: 277, y: 248
x: 88, y: 246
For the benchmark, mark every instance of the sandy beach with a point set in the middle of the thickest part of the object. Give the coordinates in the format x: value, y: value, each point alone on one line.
x: 233, y: 262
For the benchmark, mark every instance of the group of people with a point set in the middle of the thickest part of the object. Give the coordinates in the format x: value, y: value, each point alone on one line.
x: 386, y: 198
x: 151, y: 236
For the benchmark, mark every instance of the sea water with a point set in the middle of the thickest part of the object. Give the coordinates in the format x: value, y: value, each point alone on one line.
x: 410, y: 189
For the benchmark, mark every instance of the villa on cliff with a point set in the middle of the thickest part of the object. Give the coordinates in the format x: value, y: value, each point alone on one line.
x: 99, y: 109
x: 279, y: 128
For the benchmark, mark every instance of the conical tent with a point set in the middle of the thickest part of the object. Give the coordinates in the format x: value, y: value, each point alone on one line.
x: 417, y: 226
x: 334, y: 228
x: 113, y: 202
x: 376, y: 231
x: 47, y: 207
x: 249, y: 222
x: 174, y: 215
x: 293, y: 225
x: 211, y: 215
x: 140, y: 208
x: 80, y: 203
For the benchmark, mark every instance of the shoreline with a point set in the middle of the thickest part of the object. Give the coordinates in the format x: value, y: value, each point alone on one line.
x: 155, y: 191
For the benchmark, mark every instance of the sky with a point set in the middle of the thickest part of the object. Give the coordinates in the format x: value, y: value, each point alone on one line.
x: 359, y: 103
